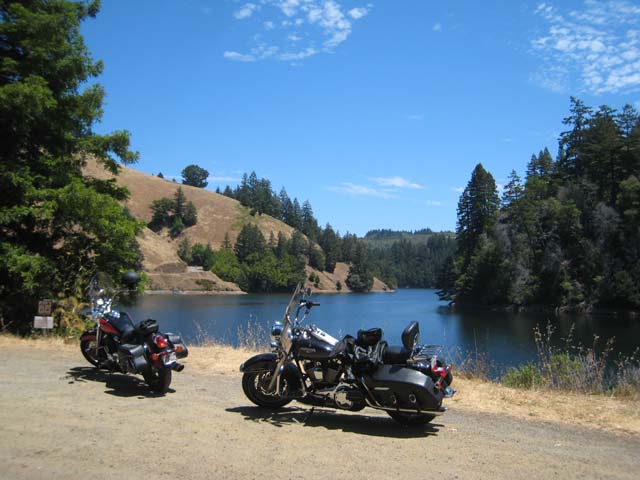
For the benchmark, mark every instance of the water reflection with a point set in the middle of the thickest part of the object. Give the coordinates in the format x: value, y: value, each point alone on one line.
x: 506, y: 338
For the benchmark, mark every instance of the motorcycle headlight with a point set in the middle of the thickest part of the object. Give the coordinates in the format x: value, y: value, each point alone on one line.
x: 276, y: 332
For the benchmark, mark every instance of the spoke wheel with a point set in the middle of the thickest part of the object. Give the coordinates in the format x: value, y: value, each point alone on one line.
x: 255, y: 386
x: 88, y: 349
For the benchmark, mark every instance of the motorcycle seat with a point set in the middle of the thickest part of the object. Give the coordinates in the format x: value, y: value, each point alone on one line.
x: 395, y: 355
x: 123, y: 323
x: 399, y: 354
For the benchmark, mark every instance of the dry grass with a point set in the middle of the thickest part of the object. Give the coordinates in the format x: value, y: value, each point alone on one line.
x: 617, y: 415
x: 594, y: 411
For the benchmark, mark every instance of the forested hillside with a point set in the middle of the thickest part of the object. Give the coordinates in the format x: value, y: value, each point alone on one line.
x: 409, y: 259
x: 568, y: 234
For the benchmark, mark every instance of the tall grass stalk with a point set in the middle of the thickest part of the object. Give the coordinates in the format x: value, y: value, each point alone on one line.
x: 576, y: 368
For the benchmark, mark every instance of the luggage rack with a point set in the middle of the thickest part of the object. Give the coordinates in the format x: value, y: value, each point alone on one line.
x: 427, y: 350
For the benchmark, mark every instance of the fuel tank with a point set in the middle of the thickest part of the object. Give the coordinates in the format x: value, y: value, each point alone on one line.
x: 306, y: 345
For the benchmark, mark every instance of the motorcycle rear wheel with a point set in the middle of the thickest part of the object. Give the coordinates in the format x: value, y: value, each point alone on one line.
x: 254, y: 385
x: 411, y: 419
x: 158, y: 379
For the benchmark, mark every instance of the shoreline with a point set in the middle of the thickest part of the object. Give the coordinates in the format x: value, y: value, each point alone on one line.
x: 194, y: 292
x: 240, y: 292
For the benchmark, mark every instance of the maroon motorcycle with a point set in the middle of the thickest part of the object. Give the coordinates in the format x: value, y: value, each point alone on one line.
x: 117, y: 344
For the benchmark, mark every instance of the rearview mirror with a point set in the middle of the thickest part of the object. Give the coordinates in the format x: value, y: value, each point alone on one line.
x: 130, y: 280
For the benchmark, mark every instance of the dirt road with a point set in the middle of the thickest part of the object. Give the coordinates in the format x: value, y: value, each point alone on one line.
x: 60, y: 419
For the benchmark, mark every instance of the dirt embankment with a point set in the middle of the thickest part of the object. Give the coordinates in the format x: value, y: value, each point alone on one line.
x: 62, y: 419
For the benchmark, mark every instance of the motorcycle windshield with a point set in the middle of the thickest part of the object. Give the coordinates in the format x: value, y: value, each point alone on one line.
x: 285, y: 320
x: 102, y: 289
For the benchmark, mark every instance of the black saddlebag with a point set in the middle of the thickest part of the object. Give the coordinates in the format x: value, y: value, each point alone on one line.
x: 395, y: 386
x: 178, y: 344
x: 131, y: 358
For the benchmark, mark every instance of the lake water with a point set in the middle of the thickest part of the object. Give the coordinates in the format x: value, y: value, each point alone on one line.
x: 505, y: 338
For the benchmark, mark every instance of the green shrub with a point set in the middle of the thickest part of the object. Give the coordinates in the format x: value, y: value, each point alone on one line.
x: 524, y: 376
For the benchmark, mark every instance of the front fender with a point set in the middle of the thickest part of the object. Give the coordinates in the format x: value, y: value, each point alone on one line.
x: 266, y: 362
x: 259, y: 363
x: 89, y: 335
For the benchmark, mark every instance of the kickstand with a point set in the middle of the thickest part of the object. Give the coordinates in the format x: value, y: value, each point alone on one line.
x: 309, y: 413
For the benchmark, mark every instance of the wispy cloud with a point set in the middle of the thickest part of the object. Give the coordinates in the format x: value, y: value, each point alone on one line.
x: 437, y: 27
x: 595, y: 49
x: 290, y: 30
x: 222, y: 178
x: 457, y: 189
x: 361, y: 190
x: 396, y: 182
x: 246, y: 11
x: 416, y: 116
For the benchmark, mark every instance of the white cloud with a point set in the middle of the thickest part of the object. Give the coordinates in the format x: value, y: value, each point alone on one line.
x: 358, y: 13
x: 308, y: 52
x: 458, y: 189
x: 246, y: 11
x: 416, y: 116
x: 595, y: 49
x: 434, y: 203
x: 437, y: 27
x: 314, y: 26
x: 360, y: 190
x: 239, y: 57
x: 397, y: 182
x: 222, y: 178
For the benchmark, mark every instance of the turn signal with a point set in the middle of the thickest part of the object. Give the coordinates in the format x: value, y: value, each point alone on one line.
x: 154, y: 356
x: 179, y: 349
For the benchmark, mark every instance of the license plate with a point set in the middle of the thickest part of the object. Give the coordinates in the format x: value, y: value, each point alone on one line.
x: 170, y: 358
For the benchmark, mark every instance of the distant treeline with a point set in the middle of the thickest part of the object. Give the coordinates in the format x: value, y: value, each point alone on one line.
x: 568, y: 235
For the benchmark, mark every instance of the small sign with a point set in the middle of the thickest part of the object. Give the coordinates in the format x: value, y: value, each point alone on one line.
x: 43, y: 322
x: 44, y: 307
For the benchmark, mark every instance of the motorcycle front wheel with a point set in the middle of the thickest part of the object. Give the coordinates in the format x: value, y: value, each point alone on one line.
x: 255, y: 385
x: 88, y: 349
x: 158, y: 379
x: 411, y: 419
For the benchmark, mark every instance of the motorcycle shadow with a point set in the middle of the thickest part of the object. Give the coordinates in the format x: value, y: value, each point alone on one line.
x: 118, y: 384
x: 358, y: 423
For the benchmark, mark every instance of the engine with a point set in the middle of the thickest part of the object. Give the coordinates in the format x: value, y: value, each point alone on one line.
x: 348, y: 397
x: 323, y: 373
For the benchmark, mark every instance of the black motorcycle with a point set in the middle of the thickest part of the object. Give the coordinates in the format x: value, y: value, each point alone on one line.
x: 409, y: 382
x: 117, y: 344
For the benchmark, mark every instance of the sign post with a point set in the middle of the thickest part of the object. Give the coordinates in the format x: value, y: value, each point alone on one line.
x: 44, y: 320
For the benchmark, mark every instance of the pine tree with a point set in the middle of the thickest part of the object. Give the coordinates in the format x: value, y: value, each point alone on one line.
x: 477, y: 210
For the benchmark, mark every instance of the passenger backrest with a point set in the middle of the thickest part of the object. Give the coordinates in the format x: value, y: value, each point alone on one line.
x: 411, y: 336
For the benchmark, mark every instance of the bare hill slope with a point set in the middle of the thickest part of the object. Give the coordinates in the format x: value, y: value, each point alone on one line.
x: 217, y: 216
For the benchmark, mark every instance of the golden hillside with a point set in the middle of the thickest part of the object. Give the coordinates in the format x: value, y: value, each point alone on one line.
x: 217, y: 215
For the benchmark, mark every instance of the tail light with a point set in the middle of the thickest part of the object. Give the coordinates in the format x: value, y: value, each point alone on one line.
x: 160, y: 341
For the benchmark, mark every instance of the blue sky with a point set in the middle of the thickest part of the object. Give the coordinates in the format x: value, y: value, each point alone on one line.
x: 376, y: 112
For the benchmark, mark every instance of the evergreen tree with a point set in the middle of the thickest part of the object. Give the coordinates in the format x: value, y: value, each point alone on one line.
x: 477, y: 210
x: 195, y: 176
x: 250, y: 241
x: 58, y: 226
